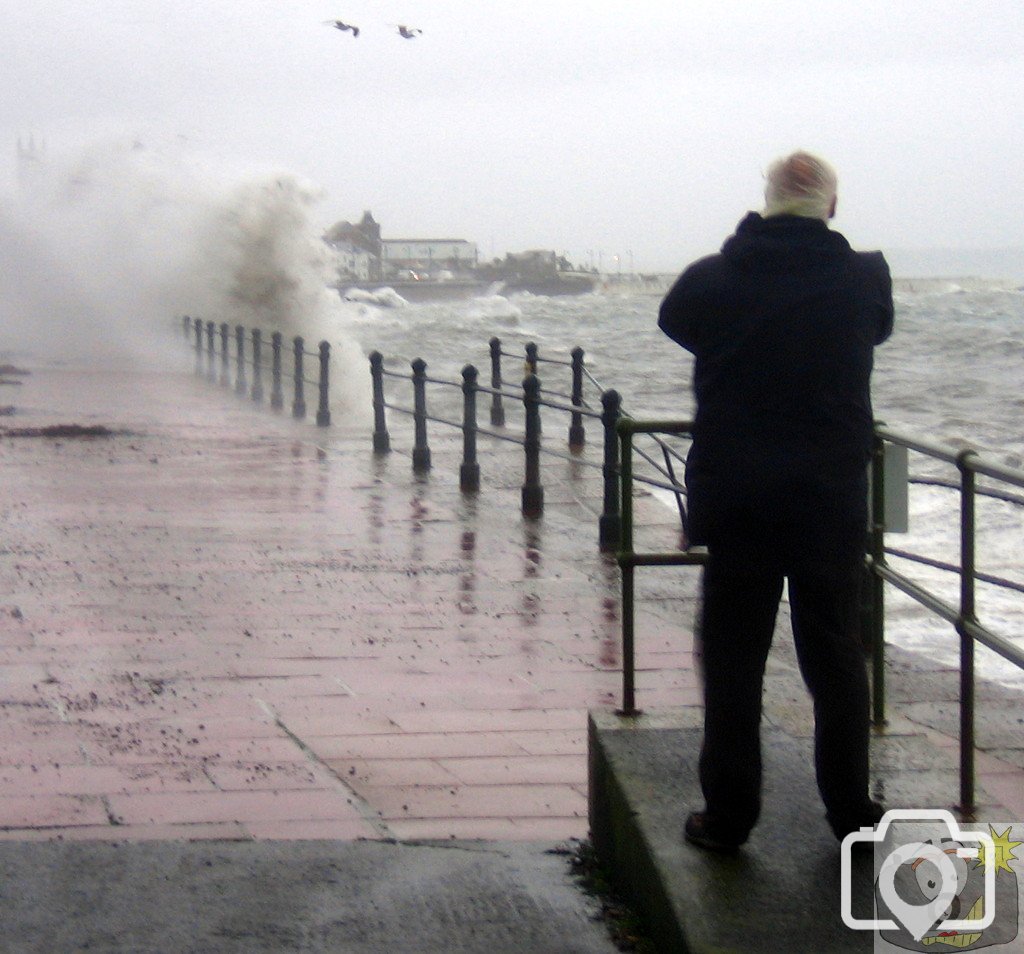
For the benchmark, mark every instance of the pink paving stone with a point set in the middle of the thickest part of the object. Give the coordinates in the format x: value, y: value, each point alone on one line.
x: 554, y: 742
x: 40, y: 752
x: 394, y: 772
x: 203, y: 807
x: 227, y: 750
x: 270, y: 776
x: 493, y: 721
x: 985, y: 764
x: 101, y: 779
x: 1008, y: 790
x: 228, y: 831
x: 350, y: 723
x: 556, y: 769
x: 41, y: 811
x: 475, y: 801
x: 343, y: 830
x: 408, y: 746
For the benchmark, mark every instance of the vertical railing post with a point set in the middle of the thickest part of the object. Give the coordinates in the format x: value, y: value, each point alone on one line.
x: 420, y: 450
x: 967, y: 615
x: 257, y: 365
x: 225, y: 361
x: 628, y: 570
x: 381, y: 439
x: 610, y: 525
x: 211, y: 352
x: 497, y: 408
x: 276, y: 391
x: 323, y: 411
x: 533, y: 492
x: 531, y: 358
x: 197, y: 326
x: 240, y: 385
x: 532, y: 362
x: 877, y: 597
x: 469, y: 472
x: 577, y: 435
x: 186, y: 324
x: 299, y: 400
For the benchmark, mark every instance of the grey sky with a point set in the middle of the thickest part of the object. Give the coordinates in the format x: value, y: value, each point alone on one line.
x: 632, y: 128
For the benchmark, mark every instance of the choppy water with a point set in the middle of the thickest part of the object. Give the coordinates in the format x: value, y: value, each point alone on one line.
x: 952, y: 372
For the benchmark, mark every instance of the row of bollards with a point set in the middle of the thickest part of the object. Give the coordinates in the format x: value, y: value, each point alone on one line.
x: 533, y: 400
x: 215, y: 364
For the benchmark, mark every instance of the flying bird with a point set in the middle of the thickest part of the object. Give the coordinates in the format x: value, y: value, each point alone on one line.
x: 338, y: 25
x: 408, y: 32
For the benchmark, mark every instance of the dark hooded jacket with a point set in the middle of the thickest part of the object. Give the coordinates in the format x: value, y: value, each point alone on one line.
x: 782, y: 324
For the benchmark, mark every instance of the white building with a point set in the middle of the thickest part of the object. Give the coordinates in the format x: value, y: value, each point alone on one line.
x: 353, y: 262
x: 428, y: 255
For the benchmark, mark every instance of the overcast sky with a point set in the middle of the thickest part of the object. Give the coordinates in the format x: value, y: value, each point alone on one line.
x: 639, y: 129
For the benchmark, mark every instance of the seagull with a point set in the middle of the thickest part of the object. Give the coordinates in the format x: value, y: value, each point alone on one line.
x: 338, y: 25
x: 408, y: 32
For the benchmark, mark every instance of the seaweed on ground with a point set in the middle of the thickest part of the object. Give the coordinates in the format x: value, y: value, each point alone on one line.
x: 60, y: 431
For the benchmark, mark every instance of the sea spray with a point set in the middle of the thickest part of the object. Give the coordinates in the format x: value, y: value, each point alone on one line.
x: 104, y: 250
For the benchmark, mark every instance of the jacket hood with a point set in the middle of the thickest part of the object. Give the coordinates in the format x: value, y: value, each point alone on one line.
x: 784, y: 242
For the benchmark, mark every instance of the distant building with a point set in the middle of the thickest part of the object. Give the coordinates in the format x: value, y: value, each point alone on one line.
x: 389, y: 257
x: 357, y: 241
x: 428, y: 255
x: 354, y: 263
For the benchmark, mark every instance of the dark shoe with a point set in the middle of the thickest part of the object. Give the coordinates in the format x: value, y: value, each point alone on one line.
x: 701, y: 830
x: 870, y: 816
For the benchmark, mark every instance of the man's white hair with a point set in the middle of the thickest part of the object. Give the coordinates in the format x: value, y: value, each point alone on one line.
x: 800, y: 184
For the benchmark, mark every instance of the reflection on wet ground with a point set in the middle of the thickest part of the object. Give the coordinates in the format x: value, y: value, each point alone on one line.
x: 231, y: 624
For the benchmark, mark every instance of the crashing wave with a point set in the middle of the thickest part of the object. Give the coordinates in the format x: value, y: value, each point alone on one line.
x: 382, y: 297
x: 494, y: 306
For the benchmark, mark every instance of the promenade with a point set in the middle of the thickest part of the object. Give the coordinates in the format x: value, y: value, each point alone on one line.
x: 218, y: 624
x: 221, y: 623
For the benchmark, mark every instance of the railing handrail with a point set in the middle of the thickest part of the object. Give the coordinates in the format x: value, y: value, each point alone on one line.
x: 250, y: 356
x: 962, y: 617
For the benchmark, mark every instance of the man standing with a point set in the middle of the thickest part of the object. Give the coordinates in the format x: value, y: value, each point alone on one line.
x: 782, y: 324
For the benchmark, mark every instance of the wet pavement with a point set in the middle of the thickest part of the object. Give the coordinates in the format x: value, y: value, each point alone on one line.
x: 216, y: 622
x: 225, y: 627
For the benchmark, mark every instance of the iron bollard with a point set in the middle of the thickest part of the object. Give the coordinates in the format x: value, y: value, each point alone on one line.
x: 420, y: 450
x: 381, y: 439
x: 225, y: 367
x: 577, y: 435
x: 610, y: 524
x: 533, y: 492
x: 531, y: 358
x: 469, y: 472
x: 323, y: 411
x: 531, y: 368
x: 497, y: 408
x: 257, y: 368
x: 299, y: 401
x: 211, y: 358
x: 240, y: 386
x: 276, y: 394
x: 197, y: 326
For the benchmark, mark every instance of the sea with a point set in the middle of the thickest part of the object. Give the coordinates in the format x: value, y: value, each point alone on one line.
x: 952, y: 373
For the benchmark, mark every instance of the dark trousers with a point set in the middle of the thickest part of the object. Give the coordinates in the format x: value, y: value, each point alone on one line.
x: 741, y: 600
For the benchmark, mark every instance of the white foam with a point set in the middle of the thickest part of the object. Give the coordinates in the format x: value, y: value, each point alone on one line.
x: 106, y: 247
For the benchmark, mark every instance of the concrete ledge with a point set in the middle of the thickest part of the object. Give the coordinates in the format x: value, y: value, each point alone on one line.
x: 781, y: 892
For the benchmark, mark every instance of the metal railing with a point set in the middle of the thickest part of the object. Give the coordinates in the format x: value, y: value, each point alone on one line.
x: 214, y: 361
x: 532, y: 397
x: 962, y: 616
